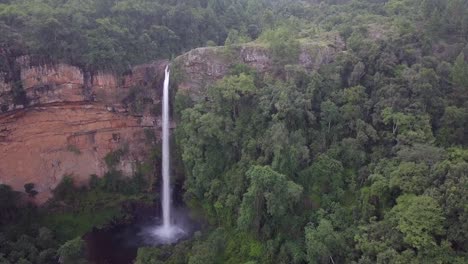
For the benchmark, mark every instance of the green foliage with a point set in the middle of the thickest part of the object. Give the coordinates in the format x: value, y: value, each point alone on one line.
x: 284, y: 46
x: 106, y: 36
x: 323, y: 243
x: 410, y: 177
x: 269, y: 197
x: 76, y: 210
x: 325, y: 176
x: 65, y: 190
x: 37, y: 247
x: 354, y: 156
x: 357, y: 135
x: 454, y: 123
x: 68, y: 225
x: 234, y: 38
x: 112, y: 159
x: 8, y: 200
x: 460, y: 78
x: 148, y: 256
x: 419, y: 218
x: 72, y: 252
x: 460, y: 70
x: 208, y: 251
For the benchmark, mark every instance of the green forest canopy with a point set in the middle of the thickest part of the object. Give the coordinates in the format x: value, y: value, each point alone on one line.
x: 364, y: 160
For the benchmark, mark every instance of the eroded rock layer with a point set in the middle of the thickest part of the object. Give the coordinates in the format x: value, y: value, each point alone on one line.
x: 42, y: 144
x: 67, y: 121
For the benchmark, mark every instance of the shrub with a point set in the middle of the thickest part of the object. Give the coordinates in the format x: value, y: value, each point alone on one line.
x: 29, y: 189
x: 113, y: 157
x: 74, y: 149
x: 65, y: 190
x: 72, y: 251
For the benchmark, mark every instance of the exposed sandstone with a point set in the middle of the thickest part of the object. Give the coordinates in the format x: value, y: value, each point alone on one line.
x: 73, y: 119
x: 52, y: 83
x: 42, y: 144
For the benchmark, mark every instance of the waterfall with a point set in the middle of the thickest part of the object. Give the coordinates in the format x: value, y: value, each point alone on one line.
x: 168, y: 232
x: 166, y: 177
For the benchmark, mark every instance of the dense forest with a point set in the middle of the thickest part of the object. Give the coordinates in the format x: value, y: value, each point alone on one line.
x: 364, y: 160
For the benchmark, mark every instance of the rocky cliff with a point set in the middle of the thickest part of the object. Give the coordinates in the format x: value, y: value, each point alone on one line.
x: 203, y: 66
x: 57, y: 119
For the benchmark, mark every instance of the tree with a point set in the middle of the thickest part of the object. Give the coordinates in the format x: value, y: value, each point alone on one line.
x: 324, y: 176
x: 208, y: 251
x: 410, y: 177
x: 290, y: 153
x: 147, y: 255
x: 232, y: 38
x: 284, y: 47
x: 65, y: 190
x: 72, y: 252
x: 45, y: 238
x: 329, y: 114
x: 460, y: 78
x: 420, y: 219
x: 323, y: 243
x: 270, y: 197
x: 358, y: 72
x: 227, y: 94
x: 29, y: 189
x: 408, y: 128
x: 451, y: 192
x: 8, y: 204
x: 453, y: 127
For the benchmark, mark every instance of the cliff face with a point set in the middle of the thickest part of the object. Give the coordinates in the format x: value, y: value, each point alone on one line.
x: 58, y: 120
x: 203, y: 66
x: 64, y: 121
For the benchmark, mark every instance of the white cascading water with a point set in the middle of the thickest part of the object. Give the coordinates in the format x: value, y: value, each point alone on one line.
x: 167, y: 231
x: 166, y: 189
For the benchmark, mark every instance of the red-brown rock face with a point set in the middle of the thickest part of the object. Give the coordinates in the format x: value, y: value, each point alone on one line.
x: 42, y: 144
x: 72, y: 121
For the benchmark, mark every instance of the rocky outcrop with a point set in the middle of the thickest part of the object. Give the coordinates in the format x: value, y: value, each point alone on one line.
x: 42, y: 144
x: 57, y: 119
x: 71, y: 120
x: 202, y: 66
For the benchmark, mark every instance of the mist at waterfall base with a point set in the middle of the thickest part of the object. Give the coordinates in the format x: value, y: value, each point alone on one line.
x: 119, y: 244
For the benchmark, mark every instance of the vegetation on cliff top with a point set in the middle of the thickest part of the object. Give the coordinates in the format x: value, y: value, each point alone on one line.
x: 116, y: 34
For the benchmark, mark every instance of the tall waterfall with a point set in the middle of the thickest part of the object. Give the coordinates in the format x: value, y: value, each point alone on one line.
x: 166, y: 188
x: 168, y: 232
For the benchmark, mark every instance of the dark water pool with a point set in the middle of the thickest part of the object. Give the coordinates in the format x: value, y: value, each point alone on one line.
x: 119, y: 244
